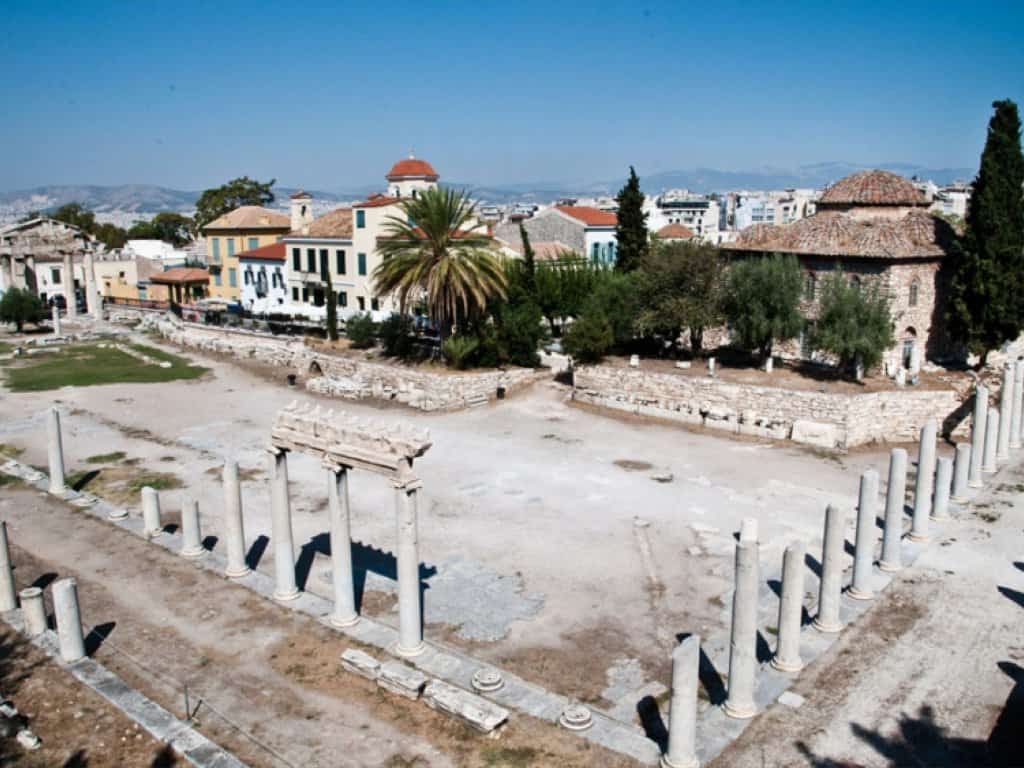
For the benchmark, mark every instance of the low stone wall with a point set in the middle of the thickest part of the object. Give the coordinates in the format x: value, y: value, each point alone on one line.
x: 347, y: 377
x: 827, y: 420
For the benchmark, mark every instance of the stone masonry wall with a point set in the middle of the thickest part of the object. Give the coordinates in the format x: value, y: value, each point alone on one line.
x: 347, y: 377
x: 827, y: 420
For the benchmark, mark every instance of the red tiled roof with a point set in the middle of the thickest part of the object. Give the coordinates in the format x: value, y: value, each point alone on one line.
x: 377, y: 201
x: 872, y: 188
x: 592, y: 217
x: 675, y: 232
x: 272, y: 252
x: 181, y: 275
x: 834, y: 233
x: 412, y: 167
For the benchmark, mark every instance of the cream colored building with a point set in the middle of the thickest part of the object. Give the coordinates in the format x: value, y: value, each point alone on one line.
x: 243, y: 229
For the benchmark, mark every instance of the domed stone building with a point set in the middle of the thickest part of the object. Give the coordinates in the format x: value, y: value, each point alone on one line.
x: 876, y: 228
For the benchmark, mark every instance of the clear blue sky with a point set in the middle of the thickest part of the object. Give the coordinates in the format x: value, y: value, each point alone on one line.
x: 327, y: 95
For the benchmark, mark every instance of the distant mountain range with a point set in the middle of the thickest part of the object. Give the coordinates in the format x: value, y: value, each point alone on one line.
x: 147, y: 199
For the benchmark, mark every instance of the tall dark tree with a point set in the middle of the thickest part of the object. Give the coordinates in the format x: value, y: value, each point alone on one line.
x: 631, y: 229
x: 236, y: 193
x: 986, y: 308
x: 330, y: 297
x: 529, y: 260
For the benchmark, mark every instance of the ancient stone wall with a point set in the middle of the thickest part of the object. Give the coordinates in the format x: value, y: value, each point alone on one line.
x: 824, y: 419
x: 347, y: 377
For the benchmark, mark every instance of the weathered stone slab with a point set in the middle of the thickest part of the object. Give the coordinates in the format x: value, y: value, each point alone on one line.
x: 815, y: 433
x: 360, y: 663
x: 468, y: 707
x: 405, y: 681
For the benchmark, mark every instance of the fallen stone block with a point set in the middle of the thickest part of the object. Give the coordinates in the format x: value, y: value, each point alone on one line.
x: 398, y: 678
x: 28, y: 740
x: 815, y: 433
x: 468, y: 707
x: 360, y: 663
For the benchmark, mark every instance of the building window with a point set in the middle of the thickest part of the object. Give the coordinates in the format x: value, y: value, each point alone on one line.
x: 215, y: 250
x: 361, y: 263
x: 276, y: 279
x: 231, y: 246
x: 595, y: 253
x: 232, y: 277
x: 810, y: 286
x: 247, y: 276
x: 217, y: 278
x: 374, y: 304
x: 360, y: 219
x: 341, y: 261
x: 254, y: 242
x: 362, y: 303
x: 915, y: 289
x: 342, y: 299
x: 295, y: 293
x: 324, y: 268
x: 311, y: 260
x: 305, y: 293
x: 55, y: 275
x: 297, y: 259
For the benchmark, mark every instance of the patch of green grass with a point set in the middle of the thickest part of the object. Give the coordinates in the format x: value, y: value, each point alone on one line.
x: 6, y: 480
x: 509, y: 757
x: 6, y: 348
x: 88, y: 365
x: 10, y: 451
x: 106, y: 458
x: 158, y: 481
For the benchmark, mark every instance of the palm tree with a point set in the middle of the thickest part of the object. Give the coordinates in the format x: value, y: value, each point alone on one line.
x: 437, y: 252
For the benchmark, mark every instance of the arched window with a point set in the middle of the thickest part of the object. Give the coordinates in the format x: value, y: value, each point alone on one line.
x: 915, y: 289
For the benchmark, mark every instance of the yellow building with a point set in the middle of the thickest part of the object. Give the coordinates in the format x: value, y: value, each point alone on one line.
x: 242, y: 229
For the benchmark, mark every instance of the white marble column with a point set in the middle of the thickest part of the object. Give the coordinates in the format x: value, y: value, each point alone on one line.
x: 410, y: 622
x: 281, y: 528
x: 8, y: 596
x: 55, y: 315
x: 55, y: 452
x: 69, y: 621
x: 191, y: 533
x: 895, y: 499
x: 152, y: 526
x: 90, y: 283
x: 961, y: 468
x: 1016, y: 405
x: 97, y: 307
x: 33, y: 611
x: 978, y: 424
x: 234, y: 525
x: 943, y: 482
x: 69, y: 286
x: 338, y: 509
x: 925, y: 482
x: 831, y: 586
x: 743, y: 634
x: 682, y: 725
x: 1005, y: 414
x: 864, y: 545
x: 791, y: 609
x: 988, y: 461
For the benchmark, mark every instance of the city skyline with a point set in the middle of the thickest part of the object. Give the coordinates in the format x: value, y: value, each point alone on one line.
x: 328, y: 98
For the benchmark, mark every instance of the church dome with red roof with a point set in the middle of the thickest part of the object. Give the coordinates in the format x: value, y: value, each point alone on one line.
x: 412, y: 168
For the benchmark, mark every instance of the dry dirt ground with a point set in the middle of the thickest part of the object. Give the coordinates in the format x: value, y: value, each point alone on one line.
x: 161, y: 623
x: 77, y: 727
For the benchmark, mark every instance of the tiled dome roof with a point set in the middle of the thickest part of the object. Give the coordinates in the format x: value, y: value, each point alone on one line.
x: 412, y: 167
x: 872, y: 188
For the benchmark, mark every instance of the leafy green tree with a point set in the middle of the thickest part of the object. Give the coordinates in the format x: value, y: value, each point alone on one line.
x: 631, y: 229
x: 589, y: 338
x: 762, y: 300
x: 529, y: 259
x: 361, y: 330
x: 435, y: 250
x: 170, y: 227
x: 986, y: 307
x: 77, y: 215
x: 110, y: 235
x: 20, y: 306
x: 853, y: 323
x: 614, y: 295
x: 680, y: 286
x: 398, y: 336
x: 215, y: 202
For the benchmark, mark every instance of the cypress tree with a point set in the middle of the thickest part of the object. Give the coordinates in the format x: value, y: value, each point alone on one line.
x: 631, y: 229
x: 986, y: 306
x: 529, y: 261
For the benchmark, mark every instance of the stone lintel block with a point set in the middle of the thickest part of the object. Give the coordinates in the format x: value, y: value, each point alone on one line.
x: 361, y: 663
x: 816, y: 433
x: 405, y: 681
x: 468, y: 707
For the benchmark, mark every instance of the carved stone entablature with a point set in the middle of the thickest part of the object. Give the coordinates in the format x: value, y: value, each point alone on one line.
x: 342, y: 440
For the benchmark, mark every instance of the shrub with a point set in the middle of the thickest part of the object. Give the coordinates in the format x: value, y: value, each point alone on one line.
x: 397, y: 336
x: 520, y: 333
x: 361, y: 331
x: 854, y: 323
x: 458, y: 350
x: 762, y: 301
x: 589, y: 338
x: 20, y: 306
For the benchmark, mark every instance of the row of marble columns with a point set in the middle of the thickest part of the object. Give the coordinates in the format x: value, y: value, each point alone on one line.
x: 410, y: 631
x: 65, y: 606
x: 937, y: 481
